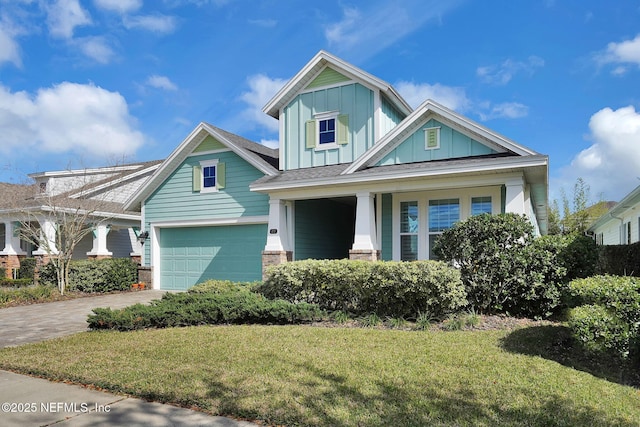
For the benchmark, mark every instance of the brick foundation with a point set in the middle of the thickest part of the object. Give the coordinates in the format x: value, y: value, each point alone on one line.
x: 270, y: 258
x: 10, y: 263
x: 364, y: 255
x: 137, y: 259
x: 145, y: 275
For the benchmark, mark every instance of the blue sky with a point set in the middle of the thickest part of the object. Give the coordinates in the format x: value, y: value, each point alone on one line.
x: 95, y: 82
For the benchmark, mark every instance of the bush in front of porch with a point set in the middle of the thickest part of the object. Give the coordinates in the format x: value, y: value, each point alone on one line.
x: 104, y: 275
x: 387, y: 288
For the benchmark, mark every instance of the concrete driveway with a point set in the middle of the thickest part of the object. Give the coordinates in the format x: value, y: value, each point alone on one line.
x: 39, y: 322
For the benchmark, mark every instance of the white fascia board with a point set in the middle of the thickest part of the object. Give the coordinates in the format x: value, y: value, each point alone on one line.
x: 81, y: 172
x: 387, y: 143
x: 259, y: 219
x: 355, y: 73
x: 167, y: 167
x: 490, y: 165
x: 613, y: 213
x: 241, y: 152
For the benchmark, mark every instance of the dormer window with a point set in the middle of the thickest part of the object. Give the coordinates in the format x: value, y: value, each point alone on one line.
x: 327, y: 130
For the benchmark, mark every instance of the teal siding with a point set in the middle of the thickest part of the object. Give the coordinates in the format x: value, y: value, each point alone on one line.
x: 354, y: 100
x: 453, y: 144
x: 390, y: 116
x: 175, y: 199
x: 387, y: 227
x: 192, y: 255
x: 324, y: 229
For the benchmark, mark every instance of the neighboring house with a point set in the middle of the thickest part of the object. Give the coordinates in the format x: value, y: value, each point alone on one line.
x: 98, y: 191
x: 621, y: 225
x: 358, y: 174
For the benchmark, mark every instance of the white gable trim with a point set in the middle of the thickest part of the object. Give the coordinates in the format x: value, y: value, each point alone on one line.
x: 430, y: 109
x: 183, y: 151
x: 318, y: 63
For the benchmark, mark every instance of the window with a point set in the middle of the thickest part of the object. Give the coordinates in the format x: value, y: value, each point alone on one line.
x: 442, y: 215
x: 327, y: 130
x: 208, y: 176
x: 409, y: 231
x: 432, y: 138
x: 480, y: 205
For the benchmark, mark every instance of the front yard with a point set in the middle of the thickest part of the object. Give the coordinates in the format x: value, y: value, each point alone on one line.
x: 305, y: 375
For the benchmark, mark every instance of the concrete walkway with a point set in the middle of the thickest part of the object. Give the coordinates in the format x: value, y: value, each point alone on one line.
x: 28, y: 401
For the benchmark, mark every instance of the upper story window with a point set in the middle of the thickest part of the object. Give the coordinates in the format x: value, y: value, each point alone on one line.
x: 208, y: 176
x: 327, y: 130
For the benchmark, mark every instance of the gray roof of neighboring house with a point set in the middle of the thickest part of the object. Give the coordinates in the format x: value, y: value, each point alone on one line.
x: 267, y: 156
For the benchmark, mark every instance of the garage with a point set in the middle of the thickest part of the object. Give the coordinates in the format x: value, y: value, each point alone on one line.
x: 191, y: 255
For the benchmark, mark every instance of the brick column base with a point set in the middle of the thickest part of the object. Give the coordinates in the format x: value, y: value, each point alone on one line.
x: 99, y: 257
x: 41, y: 261
x: 145, y: 275
x: 270, y: 258
x: 137, y: 259
x: 364, y: 255
x: 9, y: 263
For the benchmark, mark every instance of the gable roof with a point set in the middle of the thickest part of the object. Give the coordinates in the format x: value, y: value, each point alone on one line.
x: 262, y: 158
x: 431, y: 109
x: 319, y: 62
x: 627, y: 202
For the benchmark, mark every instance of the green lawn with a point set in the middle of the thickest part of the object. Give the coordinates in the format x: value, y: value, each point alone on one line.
x: 302, y: 375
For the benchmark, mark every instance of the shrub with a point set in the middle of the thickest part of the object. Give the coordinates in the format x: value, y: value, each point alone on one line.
x: 15, y: 283
x: 621, y: 260
x: 105, y: 275
x: 221, y: 287
x: 3, y: 272
x: 391, y: 289
x: 27, y: 268
x: 501, y: 268
x: 26, y: 294
x: 606, y: 313
x: 200, y: 308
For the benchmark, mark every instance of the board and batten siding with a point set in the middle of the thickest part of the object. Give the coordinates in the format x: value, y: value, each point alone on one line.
x: 354, y: 100
x: 453, y: 144
x: 175, y: 200
x: 390, y: 118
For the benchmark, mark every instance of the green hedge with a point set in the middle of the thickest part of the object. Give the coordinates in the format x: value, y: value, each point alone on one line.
x: 605, y: 313
x: 15, y: 283
x: 202, y: 307
x: 395, y: 289
x: 105, y: 275
x: 27, y: 294
x: 27, y: 268
x: 619, y: 260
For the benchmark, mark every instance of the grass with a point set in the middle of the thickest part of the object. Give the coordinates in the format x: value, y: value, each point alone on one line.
x: 302, y: 375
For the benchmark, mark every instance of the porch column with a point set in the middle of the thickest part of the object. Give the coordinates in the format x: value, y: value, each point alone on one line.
x: 12, y: 239
x: 99, y: 249
x: 514, y: 199
x: 364, y: 242
x: 47, y: 238
x: 11, y: 254
x: 277, y: 249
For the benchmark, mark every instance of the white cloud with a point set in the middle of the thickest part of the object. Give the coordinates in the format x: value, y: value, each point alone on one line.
x: 454, y: 98
x: 63, y: 16
x: 271, y: 143
x: 503, y: 73
x: 119, y: 6
x: 9, y: 49
x: 96, y: 48
x: 162, y: 24
x: 611, y: 164
x: 365, y: 31
x: 266, y: 23
x: 625, y: 52
x: 505, y: 110
x: 161, y: 82
x: 262, y: 89
x: 67, y: 118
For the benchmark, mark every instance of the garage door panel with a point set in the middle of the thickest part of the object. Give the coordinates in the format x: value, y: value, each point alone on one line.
x: 191, y: 255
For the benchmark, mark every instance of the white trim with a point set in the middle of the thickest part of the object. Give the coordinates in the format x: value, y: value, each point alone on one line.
x: 261, y: 219
x: 326, y: 115
x: 204, y: 153
x: 207, y: 164
x: 426, y: 137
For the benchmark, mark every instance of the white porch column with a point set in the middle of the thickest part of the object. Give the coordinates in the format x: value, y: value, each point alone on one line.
x: 515, y: 197
x: 48, y: 233
x: 278, y: 237
x: 11, y: 239
x: 365, y: 233
x: 100, y: 241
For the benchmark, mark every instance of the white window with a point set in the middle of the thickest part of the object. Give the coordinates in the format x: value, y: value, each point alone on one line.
x: 327, y: 130
x: 442, y: 215
x: 432, y: 138
x: 208, y: 176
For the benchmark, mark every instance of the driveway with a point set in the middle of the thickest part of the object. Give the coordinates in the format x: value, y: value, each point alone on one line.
x: 39, y: 322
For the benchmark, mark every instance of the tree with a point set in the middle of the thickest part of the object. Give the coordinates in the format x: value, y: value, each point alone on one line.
x: 56, y: 220
x: 578, y: 213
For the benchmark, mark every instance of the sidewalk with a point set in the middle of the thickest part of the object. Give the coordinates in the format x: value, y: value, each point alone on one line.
x: 29, y: 401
